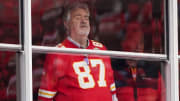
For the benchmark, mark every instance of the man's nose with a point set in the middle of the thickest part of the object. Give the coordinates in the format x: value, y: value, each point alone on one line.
x: 84, y: 20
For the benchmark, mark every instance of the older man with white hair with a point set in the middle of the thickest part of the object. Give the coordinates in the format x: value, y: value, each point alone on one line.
x: 79, y: 77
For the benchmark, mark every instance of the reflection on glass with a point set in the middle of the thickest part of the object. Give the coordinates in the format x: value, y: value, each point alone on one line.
x: 7, y: 76
x: 139, y: 80
x: 119, y: 24
x: 9, y: 21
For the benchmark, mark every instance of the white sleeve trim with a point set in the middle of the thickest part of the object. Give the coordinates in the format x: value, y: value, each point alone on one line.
x: 46, y: 94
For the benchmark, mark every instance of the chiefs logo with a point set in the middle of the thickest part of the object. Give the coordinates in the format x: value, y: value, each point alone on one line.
x: 97, y: 44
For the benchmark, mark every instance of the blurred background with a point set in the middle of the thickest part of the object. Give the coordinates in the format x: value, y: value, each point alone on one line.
x: 121, y: 25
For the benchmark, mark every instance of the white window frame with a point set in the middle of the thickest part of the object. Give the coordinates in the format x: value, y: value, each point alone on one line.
x: 25, y: 50
x: 172, y: 70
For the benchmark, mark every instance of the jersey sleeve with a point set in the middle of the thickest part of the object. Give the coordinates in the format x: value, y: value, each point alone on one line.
x: 49, y: 78
x: 111, y: 79
x: 98, y: 45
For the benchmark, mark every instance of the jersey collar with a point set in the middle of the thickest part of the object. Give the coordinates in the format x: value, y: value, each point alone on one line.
x: 75, y: 43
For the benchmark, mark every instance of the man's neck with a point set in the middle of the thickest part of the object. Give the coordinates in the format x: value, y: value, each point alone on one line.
x: 82, y: 41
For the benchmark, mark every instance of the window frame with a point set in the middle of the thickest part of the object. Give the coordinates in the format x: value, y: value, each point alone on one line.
x: 25, y: 49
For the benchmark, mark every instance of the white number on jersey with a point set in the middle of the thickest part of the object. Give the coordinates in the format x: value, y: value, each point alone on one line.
x: 86, y: 73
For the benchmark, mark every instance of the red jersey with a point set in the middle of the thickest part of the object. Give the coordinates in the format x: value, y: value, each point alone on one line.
x: 70, y: 77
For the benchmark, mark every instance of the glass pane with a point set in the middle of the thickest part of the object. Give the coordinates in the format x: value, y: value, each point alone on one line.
x: 7, y: 76
x: 139, y: 80
x: 133, y: 25
x: 83, y: 77
x: 9, y: 21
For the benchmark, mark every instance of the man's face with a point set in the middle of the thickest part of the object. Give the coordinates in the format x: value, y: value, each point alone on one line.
x: 79, y: 22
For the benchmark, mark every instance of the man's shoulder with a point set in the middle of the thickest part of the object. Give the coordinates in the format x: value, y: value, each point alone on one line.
x: 97, y: 44
x: 60, y: 45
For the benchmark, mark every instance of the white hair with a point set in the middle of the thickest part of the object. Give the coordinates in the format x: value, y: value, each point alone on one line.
x: 72, y: 7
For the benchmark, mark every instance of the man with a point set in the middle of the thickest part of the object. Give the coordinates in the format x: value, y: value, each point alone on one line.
x: 79, y: 77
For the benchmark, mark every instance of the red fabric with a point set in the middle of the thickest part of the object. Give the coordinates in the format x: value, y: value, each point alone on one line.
x: 143, y: 94
x: 147, y: 94
x: 125, y: 94
x: 61, y: 75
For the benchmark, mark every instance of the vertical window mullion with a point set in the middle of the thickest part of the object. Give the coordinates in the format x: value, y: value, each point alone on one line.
x: 24, y: 78
x: 172, y: 78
